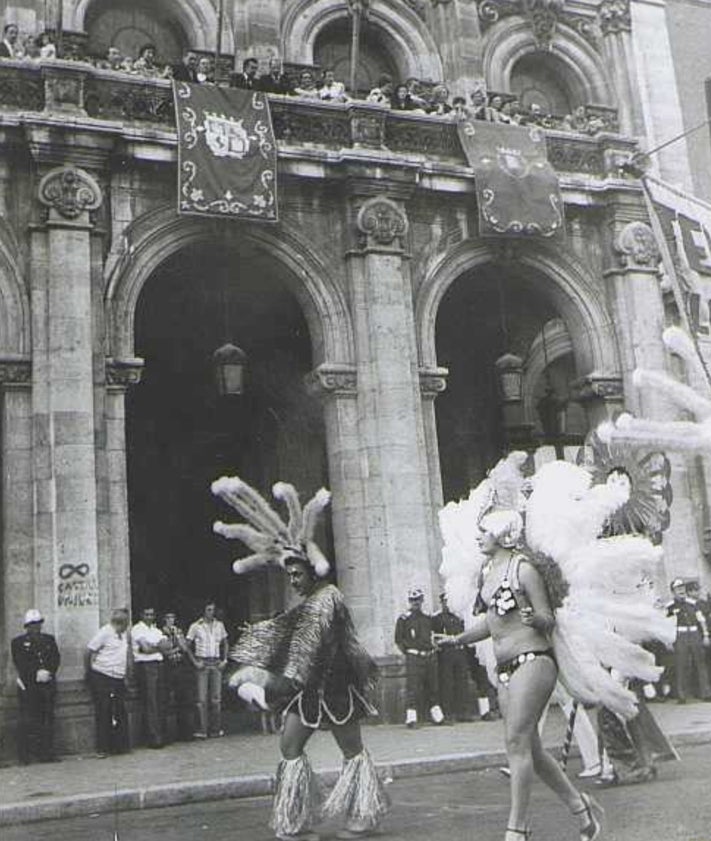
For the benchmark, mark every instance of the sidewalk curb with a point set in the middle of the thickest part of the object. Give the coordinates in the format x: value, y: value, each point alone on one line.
x: 229, y: 788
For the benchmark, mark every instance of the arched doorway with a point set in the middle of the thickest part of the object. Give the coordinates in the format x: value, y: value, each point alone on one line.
x: 332, y: 50
x: 543, y: 78
x: 182, y: 434
x: 129, y: 24
x: 489, y: 311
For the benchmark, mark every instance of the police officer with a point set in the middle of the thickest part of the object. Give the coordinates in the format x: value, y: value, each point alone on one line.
x: 413, y: 636
x: 451, y: 662
x: 692, y: 638
x: 36, y: 658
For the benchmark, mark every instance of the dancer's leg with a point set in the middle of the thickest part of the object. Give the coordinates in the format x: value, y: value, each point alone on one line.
x: 295, y: 796
x: 522, y: 702
x: 348, y: 738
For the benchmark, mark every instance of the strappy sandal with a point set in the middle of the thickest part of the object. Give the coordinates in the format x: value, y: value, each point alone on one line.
x: 593, y: 829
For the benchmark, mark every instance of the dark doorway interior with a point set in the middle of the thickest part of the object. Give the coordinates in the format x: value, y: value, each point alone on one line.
x: 487, y: 312
x: 181, y: 434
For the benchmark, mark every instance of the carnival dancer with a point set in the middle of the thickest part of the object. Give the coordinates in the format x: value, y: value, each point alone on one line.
x: 550, y: 609
x: 306, y: 663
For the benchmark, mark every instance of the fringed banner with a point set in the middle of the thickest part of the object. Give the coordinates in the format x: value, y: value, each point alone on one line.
x: 227, y: 158
x: 517, y: 189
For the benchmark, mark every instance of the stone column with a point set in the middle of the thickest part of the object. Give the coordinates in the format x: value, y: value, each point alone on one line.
x: 18, y: 574
x: 433, y: 381
x: 616, y: 27
x: 639, y: 313
x: 456, y: 28
x: 401, y: 548
x: 65, y: 528
x: 113, y: 539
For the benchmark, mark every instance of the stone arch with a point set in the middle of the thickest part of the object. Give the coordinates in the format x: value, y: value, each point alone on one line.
x: 155, y: 235
x: 417, y: 53
x: 14, y: 300
x: 197, y: 18
x: 512, y: 38
x: 556, y: 274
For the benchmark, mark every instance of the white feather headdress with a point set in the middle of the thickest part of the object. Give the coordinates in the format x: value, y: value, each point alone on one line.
x: 272, y: 540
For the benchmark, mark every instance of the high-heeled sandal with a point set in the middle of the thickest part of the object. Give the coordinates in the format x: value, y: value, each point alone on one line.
x: 593, y: 829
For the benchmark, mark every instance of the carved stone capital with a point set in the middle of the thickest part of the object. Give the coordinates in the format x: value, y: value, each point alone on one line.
x: 69, y: 192
x: 330, y: 380
x: 636, y: 247
x: 123, y: 373
x: 598, y: 387
x: 433, y: 381
x: 15, y: 372
x: 614, y: 16
x: 381, y: 223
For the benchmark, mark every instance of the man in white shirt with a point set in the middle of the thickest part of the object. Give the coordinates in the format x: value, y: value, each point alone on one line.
x: 106, y: 663
x: 148, y: 641
x: 208, y: 638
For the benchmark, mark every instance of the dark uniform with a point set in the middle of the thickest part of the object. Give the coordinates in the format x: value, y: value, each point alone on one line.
x: 179, y: 679
x: 451, y: 665
x: 689, y: 650
x: 30, y: 653
x: 413, y: 636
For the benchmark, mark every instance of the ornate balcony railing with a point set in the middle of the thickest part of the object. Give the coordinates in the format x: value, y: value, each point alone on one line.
x: 88, y: 93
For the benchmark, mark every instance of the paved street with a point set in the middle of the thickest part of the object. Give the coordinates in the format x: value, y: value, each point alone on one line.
x: 455, y: 807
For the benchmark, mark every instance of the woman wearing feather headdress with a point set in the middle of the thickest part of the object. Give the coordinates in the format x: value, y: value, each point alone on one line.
x: 306, y: 663
x: 565, y: 607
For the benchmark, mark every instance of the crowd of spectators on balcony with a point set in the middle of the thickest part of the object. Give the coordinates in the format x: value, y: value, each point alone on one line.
x: 409, y: 95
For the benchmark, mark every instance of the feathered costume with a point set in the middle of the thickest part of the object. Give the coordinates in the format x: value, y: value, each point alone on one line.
x: 602, y: 610
x: 307, y: 660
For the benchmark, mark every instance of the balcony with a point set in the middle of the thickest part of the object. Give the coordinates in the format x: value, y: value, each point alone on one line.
x: 91, y: 96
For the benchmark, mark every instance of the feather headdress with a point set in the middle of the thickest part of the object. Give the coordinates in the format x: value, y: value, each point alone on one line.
x: 272, y: 540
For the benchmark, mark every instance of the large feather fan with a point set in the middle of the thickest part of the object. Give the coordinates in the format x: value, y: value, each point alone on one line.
x: 265, y: 533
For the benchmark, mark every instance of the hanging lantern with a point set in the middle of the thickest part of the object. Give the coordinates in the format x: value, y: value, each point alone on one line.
x: 510, y: 370
x: 230, y: 364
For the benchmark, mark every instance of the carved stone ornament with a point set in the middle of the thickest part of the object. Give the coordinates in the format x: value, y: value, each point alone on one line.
x: 332, y: 380
x: 382, y: 223
x: 123, y: 373
x: 433, y: 381
x: 70, y: 191
x: 637, y: 247
x: 367, y: 127
x: 615, y: 16
x: 15, y: 372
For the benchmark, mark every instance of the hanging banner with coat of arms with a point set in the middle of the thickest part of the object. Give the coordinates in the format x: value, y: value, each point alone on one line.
x: 517, y: 189
x: 227, y: 157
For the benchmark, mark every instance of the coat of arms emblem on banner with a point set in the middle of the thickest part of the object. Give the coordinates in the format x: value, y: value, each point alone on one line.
x: 512, y: 161
x: 225, y: 136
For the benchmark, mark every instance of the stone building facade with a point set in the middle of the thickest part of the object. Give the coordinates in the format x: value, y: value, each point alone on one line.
x: 372, y: 314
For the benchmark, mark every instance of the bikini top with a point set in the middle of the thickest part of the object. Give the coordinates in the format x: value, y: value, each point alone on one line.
x: 508, y: 596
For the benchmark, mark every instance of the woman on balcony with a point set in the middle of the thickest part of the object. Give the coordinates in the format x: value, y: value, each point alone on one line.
x: 307, y: 88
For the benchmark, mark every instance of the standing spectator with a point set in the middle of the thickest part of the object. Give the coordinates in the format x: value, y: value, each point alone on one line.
x: 204, y: 74
x: 148, y: 642
x: 186, y: 70
x: 145, y: 64
x: 440, y: 106
x: 307, y: 88
x: 478, y: 97
x: 451, y: 663
x: 47, y: 48
x: 247, y: 79
x: 209, y: 640
x: 460, y: 112
x: 693, y: 590
x: 36, y: 658
x: 106, y: 666
x: 275, y: 80
x: 414, y: 88
x: 332, y: 90
x: 178, y: 675
x: 692, y: 637
x: 112, y: 60
x: 8, y: 45
x: 486, y: 695
x: 413, y: 636
x: 401, y: 99
x: 383, y: 93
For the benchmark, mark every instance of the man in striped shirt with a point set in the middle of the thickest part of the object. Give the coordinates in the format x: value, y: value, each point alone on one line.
x: 208, y: 639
